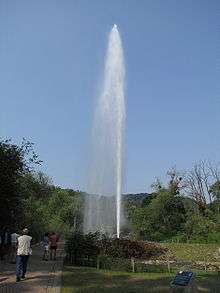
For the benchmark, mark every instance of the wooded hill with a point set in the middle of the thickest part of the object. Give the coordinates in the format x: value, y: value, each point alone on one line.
x: 185, y: 209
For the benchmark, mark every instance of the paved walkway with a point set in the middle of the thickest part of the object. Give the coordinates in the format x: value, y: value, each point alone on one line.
x: 41, y: 277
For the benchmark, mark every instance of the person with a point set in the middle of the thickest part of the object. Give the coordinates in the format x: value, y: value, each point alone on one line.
x: 54, y: 238
x: 1, y: 243
x: 23, y: 253
x: 14, y: 240
x: 6, y: 242
x: 46, y: 244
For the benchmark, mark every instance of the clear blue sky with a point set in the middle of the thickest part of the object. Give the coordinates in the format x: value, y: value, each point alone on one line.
x: 51, y: 63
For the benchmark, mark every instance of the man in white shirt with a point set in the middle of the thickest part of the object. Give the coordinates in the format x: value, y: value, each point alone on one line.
x: 14, y: 238
x: 23, y: 252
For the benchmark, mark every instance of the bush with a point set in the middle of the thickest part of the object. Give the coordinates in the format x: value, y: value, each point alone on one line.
x: 126, y: 248
x: 89, y: 246
x: 80, y: 246
x: 213, y: 237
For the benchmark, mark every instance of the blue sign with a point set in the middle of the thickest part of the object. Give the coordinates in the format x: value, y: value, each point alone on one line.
x: 182, y: 278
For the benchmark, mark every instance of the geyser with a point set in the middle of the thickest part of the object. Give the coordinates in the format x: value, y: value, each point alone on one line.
x: 103, y: 210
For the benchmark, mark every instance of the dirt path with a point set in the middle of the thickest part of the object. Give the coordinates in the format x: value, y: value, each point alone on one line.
x: 41, y: 277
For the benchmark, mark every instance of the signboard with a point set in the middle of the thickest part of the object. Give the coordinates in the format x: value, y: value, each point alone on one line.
x: 182, y: 278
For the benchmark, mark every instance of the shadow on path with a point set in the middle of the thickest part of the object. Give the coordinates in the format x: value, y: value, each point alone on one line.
x: 40, y: 274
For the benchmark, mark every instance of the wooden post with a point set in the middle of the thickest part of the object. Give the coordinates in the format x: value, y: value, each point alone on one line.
x: 205, y: 264
x: 98, y: 263
x: 132, y: 265
x: 168, y: 265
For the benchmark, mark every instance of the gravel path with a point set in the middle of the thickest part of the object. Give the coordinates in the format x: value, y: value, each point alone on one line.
x: 41, y: 277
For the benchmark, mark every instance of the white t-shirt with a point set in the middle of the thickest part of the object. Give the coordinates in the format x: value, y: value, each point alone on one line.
x: 24, y: 245
x: 14, y: 238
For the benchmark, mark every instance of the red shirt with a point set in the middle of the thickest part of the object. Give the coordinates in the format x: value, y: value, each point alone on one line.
x: 54, y: 239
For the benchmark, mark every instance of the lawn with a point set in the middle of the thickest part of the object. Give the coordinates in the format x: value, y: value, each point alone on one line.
x: 90, y: 280
x: 193, y: 252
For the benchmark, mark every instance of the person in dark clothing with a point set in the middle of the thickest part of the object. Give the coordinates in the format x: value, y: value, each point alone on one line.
x: 5, y: 243
x: 54, y: 239
x: 1, y: 243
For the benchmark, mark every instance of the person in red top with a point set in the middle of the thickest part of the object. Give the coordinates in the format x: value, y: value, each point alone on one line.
x: 54, y: 239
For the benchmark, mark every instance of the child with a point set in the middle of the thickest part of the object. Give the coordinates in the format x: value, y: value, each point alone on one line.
x: 46, y: 244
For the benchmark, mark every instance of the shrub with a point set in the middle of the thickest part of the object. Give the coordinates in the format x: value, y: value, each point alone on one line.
x: 213, y: 237
x: 89, y: 246
x: 79, y: 246
x: 126, y: 248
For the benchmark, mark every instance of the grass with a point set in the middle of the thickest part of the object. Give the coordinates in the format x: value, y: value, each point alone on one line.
x: 90, y: 280
x: 193, y: 252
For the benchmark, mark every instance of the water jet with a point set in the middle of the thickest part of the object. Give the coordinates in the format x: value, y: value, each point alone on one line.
x: 103, y: 210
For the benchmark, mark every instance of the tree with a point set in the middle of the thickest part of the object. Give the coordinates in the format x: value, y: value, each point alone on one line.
x: 198, y: 183
x: 175, y: 183
x: 215, y: 191
x: 65, y: 209
x: 15, y: 161
x: 162, y: 218
x: 36, y: 184
x: 198, y: 228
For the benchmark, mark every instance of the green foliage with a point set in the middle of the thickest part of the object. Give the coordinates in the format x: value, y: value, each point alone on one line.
x: 163, y: 217
x: 28, y: 198
x: 36, y: 185
x: 168, y: 216
x: 114, y: 263
x: 15, y: 161
x: 150, y: 268
x: 215, y: 190
x: 35, y: 217
x: 198, y: 228
x: 126, y: 248
x: 80, y: 246
x: 213, y: 237
x: 59, y: 210
x: 89, y: 280
x: 65, y: 206
x: 90, y: 246
x: 193, y: 251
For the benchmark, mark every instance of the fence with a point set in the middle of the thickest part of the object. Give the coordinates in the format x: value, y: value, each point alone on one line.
x: 137, y: 265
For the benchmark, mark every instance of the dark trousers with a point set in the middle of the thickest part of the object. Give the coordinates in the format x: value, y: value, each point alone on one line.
x: 21, y: 265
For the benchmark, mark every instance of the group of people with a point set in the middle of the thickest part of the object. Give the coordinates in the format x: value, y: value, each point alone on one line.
x: 18, y: 248
x: 50, y: 242
x: 8, y: 242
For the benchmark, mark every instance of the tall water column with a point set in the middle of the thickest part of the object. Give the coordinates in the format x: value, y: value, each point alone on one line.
x: 103, y: 210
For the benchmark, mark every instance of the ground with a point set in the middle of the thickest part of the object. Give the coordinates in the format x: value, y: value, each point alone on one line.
x: 90, y: 280
x: 41, y: 277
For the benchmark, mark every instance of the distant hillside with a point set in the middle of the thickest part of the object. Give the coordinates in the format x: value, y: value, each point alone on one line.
x: 138, y: 199
x: 135, y: 196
